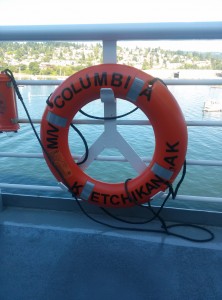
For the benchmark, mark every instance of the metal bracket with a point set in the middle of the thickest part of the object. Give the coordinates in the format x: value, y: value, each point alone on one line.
x: 15, y: 121
x: 111, y: 138
x: 63, y: 186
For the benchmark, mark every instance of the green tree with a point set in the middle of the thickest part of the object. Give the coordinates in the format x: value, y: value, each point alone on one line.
x: 34, y: 68
x: 145, y: 65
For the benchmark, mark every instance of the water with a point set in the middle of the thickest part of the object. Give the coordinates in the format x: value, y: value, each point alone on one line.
x: 204, y: 143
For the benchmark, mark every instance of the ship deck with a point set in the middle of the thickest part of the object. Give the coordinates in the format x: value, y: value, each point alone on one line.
x: 56, y: 252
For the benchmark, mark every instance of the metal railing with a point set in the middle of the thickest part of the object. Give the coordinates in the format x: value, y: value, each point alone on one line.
x: 110, y: 34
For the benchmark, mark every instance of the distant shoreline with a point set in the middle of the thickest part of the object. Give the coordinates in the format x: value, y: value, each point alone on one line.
x: 162, y: 73
x: 21, y: 76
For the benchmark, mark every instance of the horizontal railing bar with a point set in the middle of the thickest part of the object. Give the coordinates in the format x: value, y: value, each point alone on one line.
x: 215, y: 163
x: 21, y: 155
x: 204, y: 123
x: 112, y: 32
x: 196, y: 198
x: 38, y: 82
x: 214, y: 81
x: 58, y: 189
x: 126, y: 122
x: 31, y: 187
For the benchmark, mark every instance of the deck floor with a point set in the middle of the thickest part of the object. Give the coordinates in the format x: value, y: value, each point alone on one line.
x: 46, y: 254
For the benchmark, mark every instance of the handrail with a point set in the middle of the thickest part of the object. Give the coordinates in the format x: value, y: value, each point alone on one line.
x: 112, y: 32
x: 167, y: 81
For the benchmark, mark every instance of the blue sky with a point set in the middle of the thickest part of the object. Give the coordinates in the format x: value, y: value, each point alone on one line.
x: 26, y: 12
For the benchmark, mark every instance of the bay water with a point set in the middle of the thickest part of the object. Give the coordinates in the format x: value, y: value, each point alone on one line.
x: 204, y: 143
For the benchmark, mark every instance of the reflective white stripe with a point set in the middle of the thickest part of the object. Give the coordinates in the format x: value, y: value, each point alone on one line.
x: 161, y: 171
x: 135, y: 89
x: 56, y: 120
x: 87, y: 190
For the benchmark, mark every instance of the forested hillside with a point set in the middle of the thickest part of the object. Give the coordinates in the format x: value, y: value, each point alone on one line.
x: 65, y: 58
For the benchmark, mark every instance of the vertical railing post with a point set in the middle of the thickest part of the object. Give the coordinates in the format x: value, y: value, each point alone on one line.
x: 109, y: 52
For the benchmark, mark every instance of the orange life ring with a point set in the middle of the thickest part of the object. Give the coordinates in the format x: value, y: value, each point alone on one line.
x: 130, y: 84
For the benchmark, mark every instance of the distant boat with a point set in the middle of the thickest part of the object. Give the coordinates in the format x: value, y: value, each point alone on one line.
x: 212, y: 106
x: 214, y: 103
